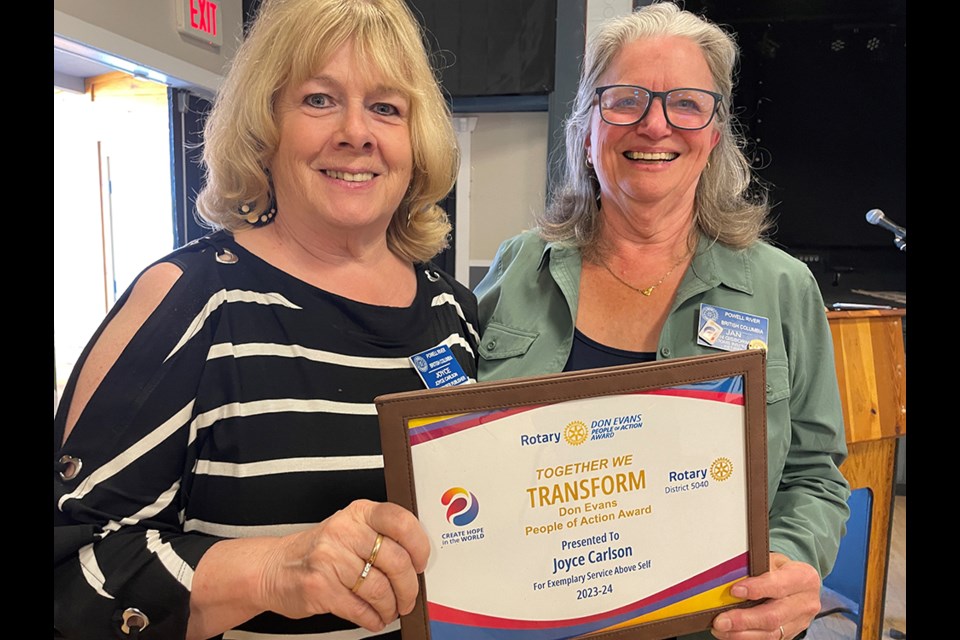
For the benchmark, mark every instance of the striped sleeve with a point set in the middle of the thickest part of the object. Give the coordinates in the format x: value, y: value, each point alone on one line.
x: 118, y: 524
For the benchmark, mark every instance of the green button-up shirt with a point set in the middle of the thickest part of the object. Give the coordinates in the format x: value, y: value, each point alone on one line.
x: 528, y: 308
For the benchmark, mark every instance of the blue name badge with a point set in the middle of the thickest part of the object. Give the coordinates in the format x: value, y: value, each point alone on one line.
x: 730, y: 330
x: 438, y: 367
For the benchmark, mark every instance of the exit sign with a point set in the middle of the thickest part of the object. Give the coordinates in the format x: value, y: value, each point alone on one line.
x: 200, y: 19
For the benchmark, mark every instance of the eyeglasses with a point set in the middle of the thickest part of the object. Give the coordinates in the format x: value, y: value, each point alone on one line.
x: 624, y: 105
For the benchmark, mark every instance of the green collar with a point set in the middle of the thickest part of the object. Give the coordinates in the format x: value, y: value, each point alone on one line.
x: 713, y: 264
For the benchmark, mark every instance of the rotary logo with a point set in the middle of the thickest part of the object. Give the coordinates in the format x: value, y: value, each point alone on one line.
x: 576, y: 433
x: 721, y: 469
x: 709, y: 313
x: 421, y: 363
x: 462, y: 506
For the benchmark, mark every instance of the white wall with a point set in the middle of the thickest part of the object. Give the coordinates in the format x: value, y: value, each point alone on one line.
x: 508, y: 178
x: 599, y: 11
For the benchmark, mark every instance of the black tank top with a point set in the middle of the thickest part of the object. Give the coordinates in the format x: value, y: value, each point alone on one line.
x: 590, y: 354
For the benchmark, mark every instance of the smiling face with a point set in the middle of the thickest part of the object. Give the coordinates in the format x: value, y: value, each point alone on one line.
x: 345, y: 159
x: 651, y: 163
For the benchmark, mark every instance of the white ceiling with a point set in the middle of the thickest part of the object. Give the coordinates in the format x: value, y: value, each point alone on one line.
x: 70, y: 70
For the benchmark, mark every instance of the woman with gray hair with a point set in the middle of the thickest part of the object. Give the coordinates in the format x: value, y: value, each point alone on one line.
x: 655, y: 233
x: 218, y: 467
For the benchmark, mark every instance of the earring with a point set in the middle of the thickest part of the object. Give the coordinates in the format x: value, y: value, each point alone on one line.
x: 587, y: 161
x: 258, y: 219
x: 412, y: 214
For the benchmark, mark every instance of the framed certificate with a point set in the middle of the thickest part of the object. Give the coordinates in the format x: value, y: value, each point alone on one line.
x: 620, y: 502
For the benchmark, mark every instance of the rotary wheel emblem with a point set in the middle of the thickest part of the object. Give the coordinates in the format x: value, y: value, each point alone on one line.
x: 721, y: 469
x: 575, y: 433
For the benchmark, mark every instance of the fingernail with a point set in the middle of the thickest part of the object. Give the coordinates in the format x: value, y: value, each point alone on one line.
x: 739, y: 591
x: 722, y: 624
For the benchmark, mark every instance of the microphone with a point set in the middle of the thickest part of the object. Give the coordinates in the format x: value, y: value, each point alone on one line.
x: 875, y: 216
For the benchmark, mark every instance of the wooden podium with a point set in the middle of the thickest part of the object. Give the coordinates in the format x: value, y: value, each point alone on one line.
x: 871, y: 370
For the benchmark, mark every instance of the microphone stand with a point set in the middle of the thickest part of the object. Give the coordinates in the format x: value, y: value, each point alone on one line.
x: 900, y: 242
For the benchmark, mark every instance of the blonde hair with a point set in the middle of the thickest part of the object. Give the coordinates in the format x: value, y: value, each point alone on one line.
x: 288, y: 41
x: 724, y: 208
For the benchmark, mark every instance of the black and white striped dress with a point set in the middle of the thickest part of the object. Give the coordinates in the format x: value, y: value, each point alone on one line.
x: 243, y: 407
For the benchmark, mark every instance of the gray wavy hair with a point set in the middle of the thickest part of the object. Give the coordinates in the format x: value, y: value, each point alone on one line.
x: 725, y: 208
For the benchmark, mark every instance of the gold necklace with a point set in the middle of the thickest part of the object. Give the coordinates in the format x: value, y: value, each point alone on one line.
x: 646, y: 291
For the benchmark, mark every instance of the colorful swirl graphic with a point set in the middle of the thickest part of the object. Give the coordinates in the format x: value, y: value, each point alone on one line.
x: 462, y: 506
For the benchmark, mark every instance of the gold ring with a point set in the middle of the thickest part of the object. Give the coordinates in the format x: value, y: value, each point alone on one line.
x: 782, y: 634
x: 376, y: 550
x: 369, y: 564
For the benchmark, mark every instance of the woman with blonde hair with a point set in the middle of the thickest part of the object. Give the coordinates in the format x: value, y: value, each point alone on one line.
x: 218, y: 470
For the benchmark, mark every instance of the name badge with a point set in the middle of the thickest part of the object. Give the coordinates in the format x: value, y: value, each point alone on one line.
x: 438, y: 367
x: 730, y: 330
